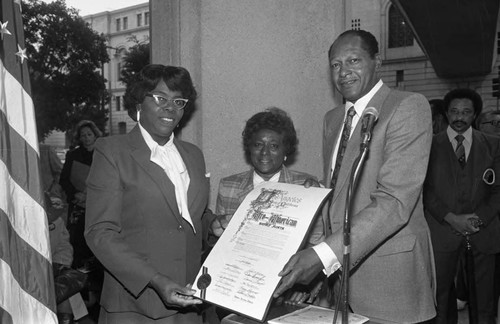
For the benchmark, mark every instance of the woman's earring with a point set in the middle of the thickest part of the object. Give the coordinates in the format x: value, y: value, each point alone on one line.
x: 138, y: 115
x: 284, y: 158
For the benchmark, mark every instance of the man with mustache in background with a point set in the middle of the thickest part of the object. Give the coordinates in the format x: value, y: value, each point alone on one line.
x: 462, y: 199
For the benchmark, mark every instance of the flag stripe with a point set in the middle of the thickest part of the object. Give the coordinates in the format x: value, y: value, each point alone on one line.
x: 26, y: 215
x: 26, y: 282
x: 20, y: 159
x: 5, y: 317
x: 22, y: 119
x: 22, y: 307
x: 25, y: 251
x: 27, y: 265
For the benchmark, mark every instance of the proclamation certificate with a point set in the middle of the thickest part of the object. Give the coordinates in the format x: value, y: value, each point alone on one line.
x: 241, y: 271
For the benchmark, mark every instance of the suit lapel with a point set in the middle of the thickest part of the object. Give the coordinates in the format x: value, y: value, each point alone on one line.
x: 285, y: 175
x: 476, y: 157
x: 477, y: 151
x: 141, y: 154
x: 445, y: 149
x: 353, y: 146
x: 351, y: 152
x: 189, y: 162
x: 332, y: 133
x: 246, y: 185
x: 445, y: 158
x: 452, y: 162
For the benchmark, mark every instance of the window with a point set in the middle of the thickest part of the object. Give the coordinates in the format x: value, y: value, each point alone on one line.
x: 356, y: 24
x: 139, y: 20
x: 400, y: 77
x: 118, y: 24
x: 122, y: 128
x: 125, y: 23
x: 498, y: 43
x: 118, y: 71
x: 400, y: 34
x: 146, y: 18
x: 118, y: 103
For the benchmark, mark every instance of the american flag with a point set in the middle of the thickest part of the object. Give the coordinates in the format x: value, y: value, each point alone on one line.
x: 26, y: 282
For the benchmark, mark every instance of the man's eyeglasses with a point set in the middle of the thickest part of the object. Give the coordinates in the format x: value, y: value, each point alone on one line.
x: 162, y: 102
x: 494, y: 122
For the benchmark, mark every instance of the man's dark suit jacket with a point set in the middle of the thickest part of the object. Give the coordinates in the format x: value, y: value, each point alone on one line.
x: 133, y: 224
x: 440, y: 192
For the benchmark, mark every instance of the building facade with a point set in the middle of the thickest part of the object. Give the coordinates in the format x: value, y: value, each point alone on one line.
x: 405, y: 66
x: 122, y: 28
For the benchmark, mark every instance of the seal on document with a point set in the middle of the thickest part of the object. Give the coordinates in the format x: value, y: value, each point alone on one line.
x: 204, y: 281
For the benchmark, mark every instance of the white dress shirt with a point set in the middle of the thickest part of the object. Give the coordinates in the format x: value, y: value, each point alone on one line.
x: 328, y: 258
x: 467, y: 143
x: 257, y: 179
x: 169, y: 158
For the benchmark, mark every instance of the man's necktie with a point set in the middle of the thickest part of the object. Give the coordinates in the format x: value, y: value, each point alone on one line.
x: 346, y: 132
x: 460, y: 150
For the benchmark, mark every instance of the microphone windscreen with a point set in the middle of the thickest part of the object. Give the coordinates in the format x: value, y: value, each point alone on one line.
x: 371, y: 111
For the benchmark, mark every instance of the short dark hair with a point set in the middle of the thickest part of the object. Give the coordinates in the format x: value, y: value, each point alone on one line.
x: 438, y: 107
x: 369, y: 42
x: 464, y: 93
x: 175, y: 77
x: 274, y: 119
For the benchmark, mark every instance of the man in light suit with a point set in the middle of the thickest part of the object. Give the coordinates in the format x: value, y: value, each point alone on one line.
x: 461, y: 192
x: 392, y: 274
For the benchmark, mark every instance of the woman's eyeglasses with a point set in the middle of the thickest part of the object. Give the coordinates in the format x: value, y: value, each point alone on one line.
x: 162, y: 102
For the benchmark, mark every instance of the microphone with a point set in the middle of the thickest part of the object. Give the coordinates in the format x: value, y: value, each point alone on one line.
x: 368, y: 119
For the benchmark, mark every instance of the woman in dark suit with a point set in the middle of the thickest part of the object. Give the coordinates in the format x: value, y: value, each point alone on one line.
x: 73, y: 175
x: 146, y: 195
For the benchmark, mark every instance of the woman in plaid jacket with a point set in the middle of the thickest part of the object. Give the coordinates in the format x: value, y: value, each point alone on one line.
x: 269, y: 140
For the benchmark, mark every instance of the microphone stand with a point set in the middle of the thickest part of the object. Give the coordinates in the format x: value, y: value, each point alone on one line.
x: 357, y: 166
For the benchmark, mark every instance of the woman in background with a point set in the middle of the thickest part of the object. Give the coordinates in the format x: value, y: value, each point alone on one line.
x: 73, y: 176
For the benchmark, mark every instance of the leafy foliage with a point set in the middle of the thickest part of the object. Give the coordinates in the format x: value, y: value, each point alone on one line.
x: 65, y: 57
x: 136, y: 57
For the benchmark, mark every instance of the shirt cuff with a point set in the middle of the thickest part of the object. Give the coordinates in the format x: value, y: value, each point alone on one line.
x: 328, y: 258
